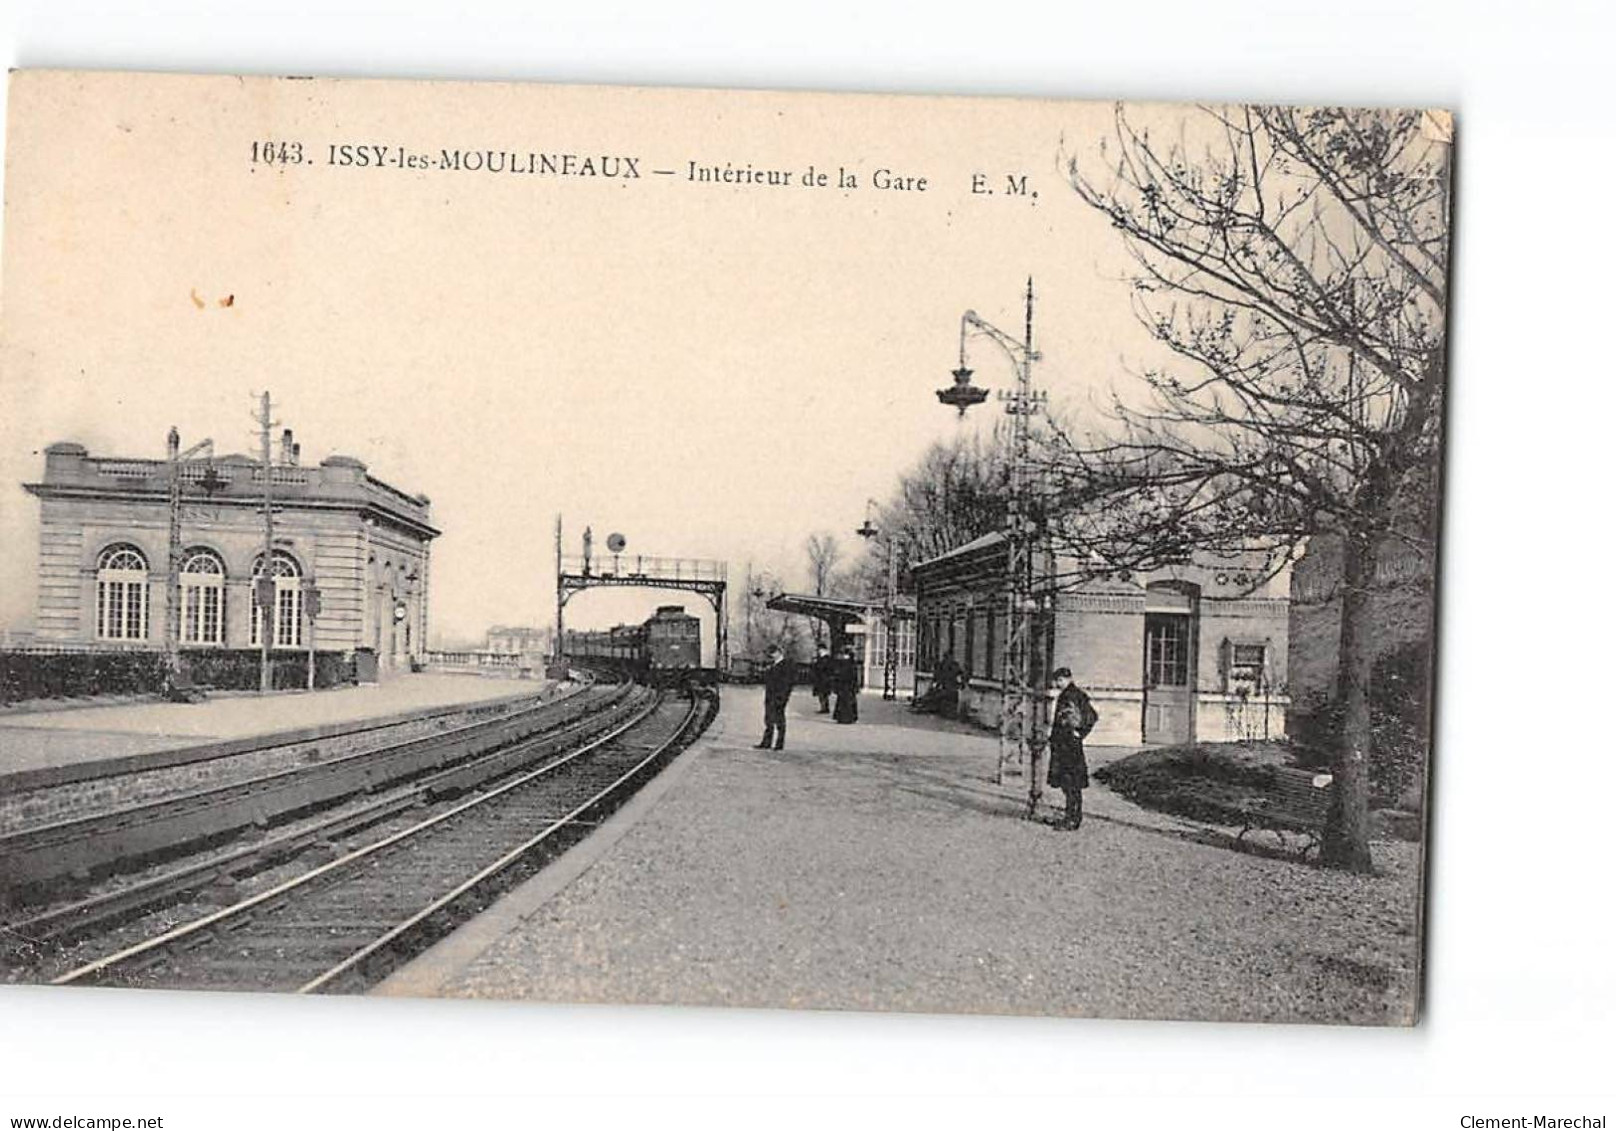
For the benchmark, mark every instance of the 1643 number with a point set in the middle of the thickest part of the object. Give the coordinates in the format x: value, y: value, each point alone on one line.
x: 277, y: 153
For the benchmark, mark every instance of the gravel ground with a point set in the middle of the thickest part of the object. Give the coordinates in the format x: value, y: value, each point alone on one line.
x: 877, y: 866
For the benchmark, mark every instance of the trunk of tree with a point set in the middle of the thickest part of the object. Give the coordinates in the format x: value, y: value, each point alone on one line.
x: 1346, y: 834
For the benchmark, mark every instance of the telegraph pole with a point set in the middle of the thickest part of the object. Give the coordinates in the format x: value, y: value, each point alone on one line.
x: 1021, y: 698
x: 171, y: 632
x: 266, y: 580
x: 889, y: 669
x: 561, y: 596
x: 1020, y: 668
x: 889, y: 610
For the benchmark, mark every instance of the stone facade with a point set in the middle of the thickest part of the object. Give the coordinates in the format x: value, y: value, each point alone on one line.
x: 363, y: 545
x: 1196, y: 652
x: 517, y: 640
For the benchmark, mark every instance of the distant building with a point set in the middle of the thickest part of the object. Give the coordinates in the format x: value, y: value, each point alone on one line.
x: 1193, y: 653
x: 517, y: 640
x: 363, y: 546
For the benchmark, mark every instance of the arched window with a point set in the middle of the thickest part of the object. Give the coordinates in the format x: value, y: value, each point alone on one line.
x: 122, y: 605
x: 201, y: 598
x: 288, y: 604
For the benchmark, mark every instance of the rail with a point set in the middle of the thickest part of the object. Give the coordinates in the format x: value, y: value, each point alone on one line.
x: 38, y: 858
x: 403, y: 900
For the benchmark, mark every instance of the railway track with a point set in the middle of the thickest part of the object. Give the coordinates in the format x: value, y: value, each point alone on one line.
x: 42, y: 860
x: 342, y: 924
x: 67, y: 921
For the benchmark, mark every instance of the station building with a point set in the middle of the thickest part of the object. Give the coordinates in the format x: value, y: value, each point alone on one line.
x: 351, y: 561
x: 1196, y: 652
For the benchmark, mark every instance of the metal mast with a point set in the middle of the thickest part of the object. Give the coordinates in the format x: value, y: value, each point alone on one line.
x: 889, y: 614
x: 1019, y: 675
x: 171, y: 631
x: 561, y: 596
x: 266, y: 580
x: 889, y: 673
x: 1020, y: 696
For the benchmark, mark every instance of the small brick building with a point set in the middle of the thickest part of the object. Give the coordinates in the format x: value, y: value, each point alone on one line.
x: 104, y: 568
x: 1192, y: 653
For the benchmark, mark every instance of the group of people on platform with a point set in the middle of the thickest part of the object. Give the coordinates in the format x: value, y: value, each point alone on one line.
x: 839, y: 676
x: 1072, y: 716
x: 832, y: 675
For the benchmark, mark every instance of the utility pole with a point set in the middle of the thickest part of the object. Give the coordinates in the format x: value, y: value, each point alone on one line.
x: 889, y: 673
x: 1019, y: 663
x: 171, y: 630
x: 266, y: 580
x: 889, y: 612
x: 1022, y: 699
x: 561, y: 596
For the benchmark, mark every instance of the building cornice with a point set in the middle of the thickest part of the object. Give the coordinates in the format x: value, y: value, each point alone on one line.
x: 365, y: 508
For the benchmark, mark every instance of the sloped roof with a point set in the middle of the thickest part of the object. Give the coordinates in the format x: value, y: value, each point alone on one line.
x: 835, y: 608
x: 973, y: 546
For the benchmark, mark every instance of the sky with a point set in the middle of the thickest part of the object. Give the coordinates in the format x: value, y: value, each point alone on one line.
x: 713, y: 370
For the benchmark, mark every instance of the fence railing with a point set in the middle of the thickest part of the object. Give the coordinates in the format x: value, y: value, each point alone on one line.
x: 499, y: 660
x: 646, y: 566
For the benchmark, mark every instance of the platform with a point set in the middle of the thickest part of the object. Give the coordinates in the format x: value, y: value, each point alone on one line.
x: 42, y: 738
x: 877, y: 866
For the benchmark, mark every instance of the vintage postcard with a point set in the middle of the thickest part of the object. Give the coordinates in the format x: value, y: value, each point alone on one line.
x: 720, y: 548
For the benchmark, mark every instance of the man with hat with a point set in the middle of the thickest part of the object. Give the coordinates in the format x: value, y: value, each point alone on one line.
x: 1070, y: 722
x: 777, y: 681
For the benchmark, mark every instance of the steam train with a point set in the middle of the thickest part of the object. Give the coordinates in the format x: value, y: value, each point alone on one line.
x: 664, y: 649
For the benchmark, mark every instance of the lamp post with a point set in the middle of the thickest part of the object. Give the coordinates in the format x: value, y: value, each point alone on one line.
x: 1021, y: 697
x: 889, y: 614
x: 210, y: 483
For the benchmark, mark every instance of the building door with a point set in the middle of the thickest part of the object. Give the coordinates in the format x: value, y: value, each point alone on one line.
x: 1167, y: 677
x: 1169, y: 665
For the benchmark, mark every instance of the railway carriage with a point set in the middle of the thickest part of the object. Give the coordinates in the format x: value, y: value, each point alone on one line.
x: 666, y: 648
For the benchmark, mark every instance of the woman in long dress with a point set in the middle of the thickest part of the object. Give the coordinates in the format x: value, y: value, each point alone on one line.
x: 845, y: 683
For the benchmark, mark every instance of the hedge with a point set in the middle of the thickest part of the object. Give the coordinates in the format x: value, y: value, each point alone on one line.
x: 55, y: 675
x: 1399, y: 726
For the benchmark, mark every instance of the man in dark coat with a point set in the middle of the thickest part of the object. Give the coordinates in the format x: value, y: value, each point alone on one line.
x: 824, y: 678
x: 777, y: 683
x: 1070, y: 722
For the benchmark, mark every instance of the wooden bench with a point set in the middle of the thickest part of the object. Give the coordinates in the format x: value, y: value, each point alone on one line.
x: 182, y: 689
x: 1300, y: 803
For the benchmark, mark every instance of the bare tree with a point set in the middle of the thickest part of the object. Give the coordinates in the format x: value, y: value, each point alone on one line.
x: 824, y: 555
x: 1296, y: 260
x: 761, y: 627
x: 954, y: 494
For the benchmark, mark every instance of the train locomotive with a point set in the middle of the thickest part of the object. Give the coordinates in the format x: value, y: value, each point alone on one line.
x: 665, y: 649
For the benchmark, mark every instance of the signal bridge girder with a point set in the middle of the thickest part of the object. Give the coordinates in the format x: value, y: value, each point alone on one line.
x: 706, y: 578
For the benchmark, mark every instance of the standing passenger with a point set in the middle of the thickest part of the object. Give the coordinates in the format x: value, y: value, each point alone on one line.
x: 824, y: 678
x: 1073, y: 717
x: 846, y: 687
x: 777, y: 682
x: 946, y: 680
